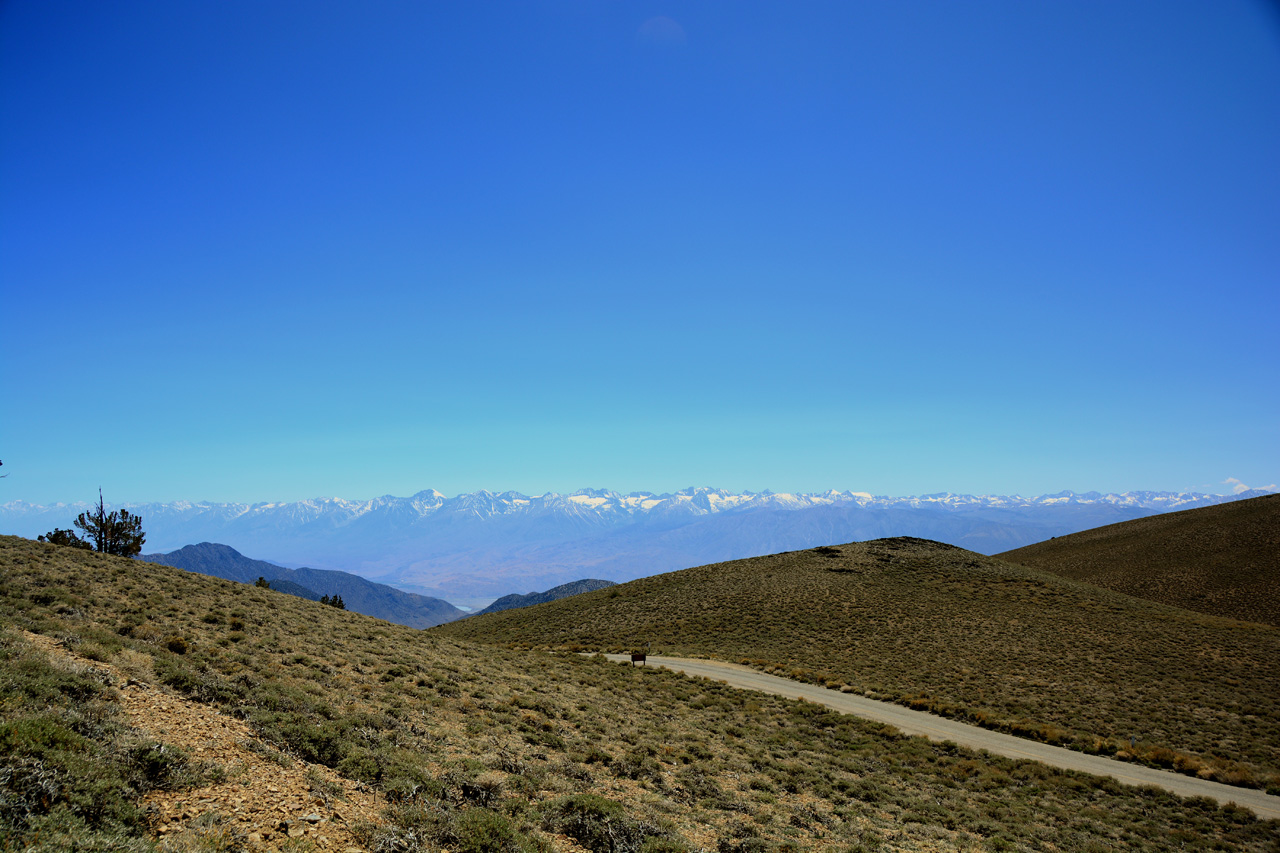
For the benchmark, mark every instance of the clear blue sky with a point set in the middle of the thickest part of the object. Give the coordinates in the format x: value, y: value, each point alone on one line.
x: 268, y: 251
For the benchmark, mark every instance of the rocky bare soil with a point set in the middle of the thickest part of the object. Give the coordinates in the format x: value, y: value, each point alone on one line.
x: 264, y: 798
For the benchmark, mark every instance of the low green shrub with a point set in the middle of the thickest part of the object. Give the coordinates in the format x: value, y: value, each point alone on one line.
x: 202, y: 685
x: 325, y: 742
x: 479, y: 830
x: 598, y: 824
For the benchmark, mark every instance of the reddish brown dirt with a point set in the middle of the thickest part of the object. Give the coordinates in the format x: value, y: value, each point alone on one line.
x: 263, y: 802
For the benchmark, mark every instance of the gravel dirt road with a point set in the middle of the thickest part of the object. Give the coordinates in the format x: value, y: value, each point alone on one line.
x: 941, y: 729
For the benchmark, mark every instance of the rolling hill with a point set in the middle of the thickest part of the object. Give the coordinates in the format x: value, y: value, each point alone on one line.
x: 468, y: 747
x: 1223, y: 560
x: 362, y: 596
x: 948, y: 630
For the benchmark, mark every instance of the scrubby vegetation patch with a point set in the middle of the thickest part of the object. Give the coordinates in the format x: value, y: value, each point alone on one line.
x: 477, y: 747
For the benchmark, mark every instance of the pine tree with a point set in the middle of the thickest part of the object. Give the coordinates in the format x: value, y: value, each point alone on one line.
x: 118, y: 533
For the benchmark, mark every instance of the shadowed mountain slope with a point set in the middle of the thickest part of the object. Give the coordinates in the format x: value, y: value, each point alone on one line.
x: 948, y: 630
x: 1223, y: 559
x: 362, y: 596
x: 514, y: 602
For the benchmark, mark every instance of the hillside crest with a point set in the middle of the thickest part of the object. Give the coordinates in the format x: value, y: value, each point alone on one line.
x: 1222, y: 560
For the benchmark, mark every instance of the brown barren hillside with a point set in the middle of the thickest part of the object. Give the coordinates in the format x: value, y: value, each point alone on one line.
x: 150, y: 710
x: 1222, y: 559
x: 951, y: 631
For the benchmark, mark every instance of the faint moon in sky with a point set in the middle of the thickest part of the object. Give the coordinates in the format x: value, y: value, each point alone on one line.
x: 661, y: 32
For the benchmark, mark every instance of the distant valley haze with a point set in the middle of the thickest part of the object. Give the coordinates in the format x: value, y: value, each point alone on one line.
x: 471, y: 549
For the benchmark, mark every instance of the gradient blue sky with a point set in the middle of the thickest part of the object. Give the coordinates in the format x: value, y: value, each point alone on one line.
x: 268, y: 251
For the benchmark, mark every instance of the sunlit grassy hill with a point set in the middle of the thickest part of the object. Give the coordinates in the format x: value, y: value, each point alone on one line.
x: 951, y: 631
x: 475, y: 748
x: 1223, y: 559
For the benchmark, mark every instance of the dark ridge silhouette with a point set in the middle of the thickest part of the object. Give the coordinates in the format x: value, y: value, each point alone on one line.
x: 358, y: 594
x: 514, y: 601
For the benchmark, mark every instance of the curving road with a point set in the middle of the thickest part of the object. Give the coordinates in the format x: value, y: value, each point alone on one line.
x: 911, y: 722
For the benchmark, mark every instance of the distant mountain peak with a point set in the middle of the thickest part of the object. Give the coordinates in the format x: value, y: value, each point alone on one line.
x: 594, y: 493
x: 478, y: 546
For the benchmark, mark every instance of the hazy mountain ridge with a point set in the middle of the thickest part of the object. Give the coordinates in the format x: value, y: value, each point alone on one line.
x: 516, y: 601
x: 358, y: 594
x: 607, y: 503
x: 482, y: 545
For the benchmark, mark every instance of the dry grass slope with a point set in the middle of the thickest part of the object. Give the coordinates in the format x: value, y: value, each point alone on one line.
x: 967, y: 636
x: 479, y: 748
x: 1223, y: 560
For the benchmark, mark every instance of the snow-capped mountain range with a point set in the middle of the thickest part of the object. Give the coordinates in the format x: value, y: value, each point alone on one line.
x: 478, y: 546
